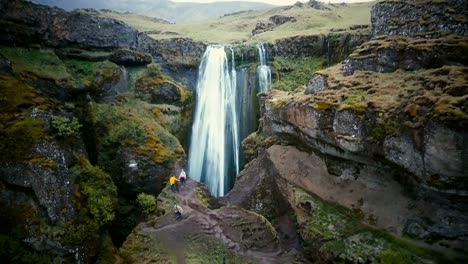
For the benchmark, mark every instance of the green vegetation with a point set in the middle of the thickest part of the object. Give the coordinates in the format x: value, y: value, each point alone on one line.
x: 65, y: 127
x: 18, y: 131
x: 107, y: 252
x: 237, y: 28
x: 93, y: 74
x: 293, y: 73
x: 14, y: 252
x: 42, y: 63
x: 346, y: 240
x: 95, y: 200
x: 147, y: 203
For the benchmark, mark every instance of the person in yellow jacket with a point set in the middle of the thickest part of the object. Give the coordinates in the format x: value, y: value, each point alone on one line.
x: 172, y: 182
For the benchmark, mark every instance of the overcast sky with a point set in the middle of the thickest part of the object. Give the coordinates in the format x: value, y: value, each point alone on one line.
x: 273, y: 2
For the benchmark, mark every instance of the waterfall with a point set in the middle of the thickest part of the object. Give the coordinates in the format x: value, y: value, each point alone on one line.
x: 214, y: 148
x: 263, y: 70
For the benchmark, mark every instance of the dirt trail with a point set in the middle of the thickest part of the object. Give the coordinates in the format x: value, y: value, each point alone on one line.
x: 199, y: 222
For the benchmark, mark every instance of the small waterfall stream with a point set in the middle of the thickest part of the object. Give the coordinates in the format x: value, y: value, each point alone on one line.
x: 214, y: 148
x: 263, y: 70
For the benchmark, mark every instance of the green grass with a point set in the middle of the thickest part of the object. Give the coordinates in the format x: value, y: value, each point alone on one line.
x: 238, y: 28
x: 43, y: 63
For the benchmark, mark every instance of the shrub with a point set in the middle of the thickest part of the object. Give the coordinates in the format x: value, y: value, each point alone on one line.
x: 147, y: 202
x: 65, y: 127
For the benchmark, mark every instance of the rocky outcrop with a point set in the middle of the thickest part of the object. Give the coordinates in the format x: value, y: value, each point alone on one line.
x: 261, y: 27
x: 426, y: 18
x: 373, y: 198
x: 317, y: 5
x: 179, y: 53
x: 279, y: 20
x: 388, y: 54
x: 25, y: 23
x: 29, y: 23
x: 227, y: 234
x: 335, y: 47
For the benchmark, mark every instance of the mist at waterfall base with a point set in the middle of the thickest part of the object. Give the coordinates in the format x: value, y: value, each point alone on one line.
x: 224, y: 115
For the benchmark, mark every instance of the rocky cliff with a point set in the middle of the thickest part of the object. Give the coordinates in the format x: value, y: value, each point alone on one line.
x: 81, y: 133
x: 376, y: 145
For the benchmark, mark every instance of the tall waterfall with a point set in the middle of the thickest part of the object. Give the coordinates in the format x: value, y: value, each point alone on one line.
x: 263, y: 70
x: 214, y: 148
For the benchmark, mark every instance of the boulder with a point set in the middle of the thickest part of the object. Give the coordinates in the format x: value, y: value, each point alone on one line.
x: 317, y: 83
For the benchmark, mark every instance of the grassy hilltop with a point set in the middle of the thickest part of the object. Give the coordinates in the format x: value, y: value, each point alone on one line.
x: 237, y: 27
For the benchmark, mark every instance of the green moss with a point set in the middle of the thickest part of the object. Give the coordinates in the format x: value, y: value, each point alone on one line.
x: 65, y: 127
x: 322, y: 106
x: 44, y: 162
x: 93, y: 74
x: 108, y: 251
x: 202, y: 197
x: 346, y: 240
x: 325, y: 221
x: 40, y: 62
x: 12, y: 251
x: 95, y: 200
x: 147, y: 203
x: 17, y: 137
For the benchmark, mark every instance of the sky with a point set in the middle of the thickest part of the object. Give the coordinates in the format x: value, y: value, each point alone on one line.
x: 273, y: 2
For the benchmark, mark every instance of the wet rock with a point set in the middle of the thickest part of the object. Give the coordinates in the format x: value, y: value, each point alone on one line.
x: 317, y: 83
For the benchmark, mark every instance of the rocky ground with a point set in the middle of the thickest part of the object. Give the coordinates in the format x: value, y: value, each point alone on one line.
x: 206, y: 235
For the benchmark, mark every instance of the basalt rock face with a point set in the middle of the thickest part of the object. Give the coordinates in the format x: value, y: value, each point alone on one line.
x: 424, y: 18
x: 412, y: 37
x: 24, y: 23
x: 335, y: 47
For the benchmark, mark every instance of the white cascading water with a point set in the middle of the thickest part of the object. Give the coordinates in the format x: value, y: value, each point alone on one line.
x: 214, y: 147
x: 263, y: 70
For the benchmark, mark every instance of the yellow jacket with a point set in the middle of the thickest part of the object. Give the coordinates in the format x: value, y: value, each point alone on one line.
x: 172, y: 180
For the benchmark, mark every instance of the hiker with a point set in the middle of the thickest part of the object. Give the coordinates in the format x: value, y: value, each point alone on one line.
x: 172, y: 182
x: 182, y: 177
x: 178, y: 212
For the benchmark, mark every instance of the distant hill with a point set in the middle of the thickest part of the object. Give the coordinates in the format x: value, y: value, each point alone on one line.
x: 261, y: 25
x: 164, y: 9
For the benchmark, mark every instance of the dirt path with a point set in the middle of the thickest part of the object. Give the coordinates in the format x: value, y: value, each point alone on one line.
x: 198, y: 221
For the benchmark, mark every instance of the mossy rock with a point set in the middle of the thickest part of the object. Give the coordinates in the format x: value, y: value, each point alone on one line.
x: 153, y: 86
